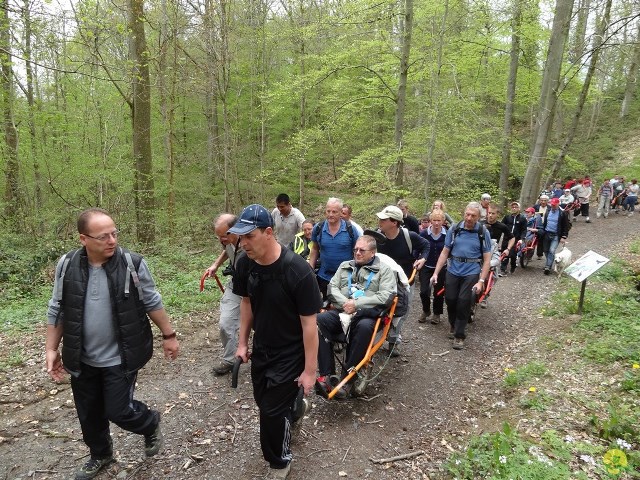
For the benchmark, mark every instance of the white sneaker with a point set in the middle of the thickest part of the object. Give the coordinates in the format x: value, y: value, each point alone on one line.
x: 278, y: 473
x: 630, y: 213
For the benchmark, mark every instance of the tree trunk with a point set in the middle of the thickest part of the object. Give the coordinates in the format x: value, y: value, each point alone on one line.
x: 401, y: 98
x: 435, y: 99
x: 632, y: 77
x: 13, y: 202
x: 547, y: 103
x: 578, y: 45
x: 141, y: 117
x: 598, y: 40
x: 167, y: 89
x: 37, y: 178
x: 510, y: 100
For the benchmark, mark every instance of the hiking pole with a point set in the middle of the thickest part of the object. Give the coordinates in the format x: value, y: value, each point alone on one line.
x: 204, y: 277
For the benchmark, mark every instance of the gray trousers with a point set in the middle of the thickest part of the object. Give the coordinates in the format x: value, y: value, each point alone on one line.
x: 229, y: 323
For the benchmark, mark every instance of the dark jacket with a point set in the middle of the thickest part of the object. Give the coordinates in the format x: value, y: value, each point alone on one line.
x: 132, y: 327
x: 563, y: 223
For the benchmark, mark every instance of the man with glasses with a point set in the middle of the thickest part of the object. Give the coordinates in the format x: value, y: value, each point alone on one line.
x: 102, y: 298
x: 359, y: 289
x: 230, y: 302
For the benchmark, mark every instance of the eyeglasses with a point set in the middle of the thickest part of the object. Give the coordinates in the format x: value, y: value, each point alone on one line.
x: 105, y: 236
x: 358, y: 250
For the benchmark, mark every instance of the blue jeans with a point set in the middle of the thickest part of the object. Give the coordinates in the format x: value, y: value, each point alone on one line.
x: 550, y: 243
x: 630, y: 202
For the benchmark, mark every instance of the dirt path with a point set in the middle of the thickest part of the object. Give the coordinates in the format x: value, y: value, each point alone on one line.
x: 430, y: 398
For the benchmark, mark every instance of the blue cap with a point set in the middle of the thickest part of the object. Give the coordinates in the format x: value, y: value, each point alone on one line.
x: 252, y: 217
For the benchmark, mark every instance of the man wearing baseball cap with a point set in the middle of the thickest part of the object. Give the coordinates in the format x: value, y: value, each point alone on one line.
x: 280, y: 299
x: 555, y: 225
x: 408, y: 249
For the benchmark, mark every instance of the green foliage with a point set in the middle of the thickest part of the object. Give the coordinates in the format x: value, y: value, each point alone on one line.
x: 14, y: 358
x: 524, y: 374
x: 535, y: 400
x: 506, y: 454
x: 622, y: 421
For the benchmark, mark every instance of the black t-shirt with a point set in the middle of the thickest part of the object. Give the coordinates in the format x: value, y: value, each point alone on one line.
x: 279, y: 293
x: 496, y: 230
x: 411, y: 223
x: 398, y: 249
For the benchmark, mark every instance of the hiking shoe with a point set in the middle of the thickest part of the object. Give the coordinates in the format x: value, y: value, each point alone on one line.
x: 539, y: 257
x: 93, y: 467
x: 587, y: 220
x: 502, y: 273
x: 435, y: 320
x: 322, y: 386
x: 513, y: 269
x: 458, y: 343
x: 483, y: 303
x: 630, y: 214
x: 547, y: 270
x: 394, y: 349
x: 343, y: 392
x: 452, y: 333
x: 278, y: 473
x: 153, y: 442
x: 222, y: 367
x: 423, y: 318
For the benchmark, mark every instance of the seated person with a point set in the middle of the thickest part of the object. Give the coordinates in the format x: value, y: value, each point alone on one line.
x: 360, y: 289
x: 533, y: 224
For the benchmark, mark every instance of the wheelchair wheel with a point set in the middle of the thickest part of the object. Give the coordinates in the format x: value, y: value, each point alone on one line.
x: 525, y: 257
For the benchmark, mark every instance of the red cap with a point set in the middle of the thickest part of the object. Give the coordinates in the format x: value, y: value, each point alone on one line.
x: 554, y: 201
x: 530, y: 210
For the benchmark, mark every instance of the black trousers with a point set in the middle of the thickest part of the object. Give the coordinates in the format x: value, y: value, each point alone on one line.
x: 105, y: 394
x: 425, y: 290
x: 459, y: 298
x: 360, y: 332
x: 275, y: 404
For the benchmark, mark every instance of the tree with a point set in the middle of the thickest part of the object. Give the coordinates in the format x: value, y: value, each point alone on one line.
x: 13, y: 201
x: 514, y: 57
x: 632, y: 77
x: 547, y: 103
x: 141, y: 121
x: 406, y: 26
x: 598, y: 41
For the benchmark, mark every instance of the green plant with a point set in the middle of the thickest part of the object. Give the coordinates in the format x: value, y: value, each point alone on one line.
x: 622, y: 421
x: 523, y: 374
x: 505, y: 454
x: 535, y: 400
x: 13, y: 359
x: 631, y: 381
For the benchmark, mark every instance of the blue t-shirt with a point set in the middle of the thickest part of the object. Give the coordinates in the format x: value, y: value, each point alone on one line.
x: 334, y: 249
x: 466, y: 245
x: 553, y: 219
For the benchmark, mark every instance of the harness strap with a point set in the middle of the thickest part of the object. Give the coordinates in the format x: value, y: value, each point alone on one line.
x: 134, y: 275
x: 466, y: 260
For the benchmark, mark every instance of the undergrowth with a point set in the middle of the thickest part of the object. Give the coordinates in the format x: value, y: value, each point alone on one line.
x: 606, y: 337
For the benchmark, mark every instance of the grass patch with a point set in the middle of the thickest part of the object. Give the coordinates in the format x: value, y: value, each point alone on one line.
x: 14, y: 358
x: 521, y: 375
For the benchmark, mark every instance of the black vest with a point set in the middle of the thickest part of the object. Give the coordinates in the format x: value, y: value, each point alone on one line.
x: 132, y: 327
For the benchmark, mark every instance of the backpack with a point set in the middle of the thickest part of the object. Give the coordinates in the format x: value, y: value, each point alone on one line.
x: 255, y: 278
x: 481, y: 232
x: 317, y: 230
x: 133, y: 270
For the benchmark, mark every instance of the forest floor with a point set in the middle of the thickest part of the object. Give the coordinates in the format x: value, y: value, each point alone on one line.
x: 428, y: 401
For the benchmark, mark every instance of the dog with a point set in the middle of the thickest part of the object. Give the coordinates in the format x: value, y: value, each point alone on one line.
x: 562, y: 260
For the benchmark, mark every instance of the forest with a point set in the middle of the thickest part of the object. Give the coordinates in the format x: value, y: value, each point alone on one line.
x: 167, y: 112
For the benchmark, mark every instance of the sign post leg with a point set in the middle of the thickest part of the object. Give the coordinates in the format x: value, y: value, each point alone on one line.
x: 581, y: 301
